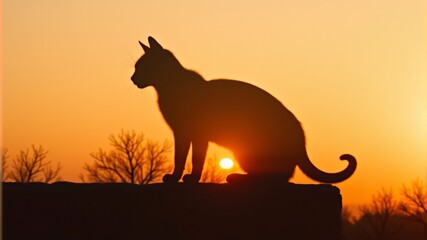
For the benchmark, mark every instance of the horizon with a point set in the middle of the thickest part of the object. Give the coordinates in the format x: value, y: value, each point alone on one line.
x: 353, y: 73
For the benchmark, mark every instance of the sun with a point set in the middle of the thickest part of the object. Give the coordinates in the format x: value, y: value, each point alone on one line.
x: 226, y: 163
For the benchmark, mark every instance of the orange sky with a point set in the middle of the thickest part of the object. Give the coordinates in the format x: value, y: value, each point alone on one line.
x: 353, y: 72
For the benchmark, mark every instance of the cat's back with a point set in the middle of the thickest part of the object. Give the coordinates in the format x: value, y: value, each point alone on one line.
x: 240, y: 94
x: 239, y: 112
x: 243, y: 101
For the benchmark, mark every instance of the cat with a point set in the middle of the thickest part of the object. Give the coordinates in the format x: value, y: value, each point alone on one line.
x: 266, y: 138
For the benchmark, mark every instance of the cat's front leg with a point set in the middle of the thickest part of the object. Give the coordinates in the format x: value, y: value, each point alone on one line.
x: 199, y: 154
x: 182, y: 146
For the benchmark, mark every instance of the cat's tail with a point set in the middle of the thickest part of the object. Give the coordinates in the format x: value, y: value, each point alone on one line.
x: 316, y: 174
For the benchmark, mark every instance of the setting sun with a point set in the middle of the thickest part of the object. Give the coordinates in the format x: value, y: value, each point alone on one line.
x: 226, y: 163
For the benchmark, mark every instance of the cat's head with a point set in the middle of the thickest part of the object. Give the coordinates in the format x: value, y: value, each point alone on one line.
x: 154, y: 66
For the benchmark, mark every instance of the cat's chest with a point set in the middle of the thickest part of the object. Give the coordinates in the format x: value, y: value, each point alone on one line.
x: 180, y: 108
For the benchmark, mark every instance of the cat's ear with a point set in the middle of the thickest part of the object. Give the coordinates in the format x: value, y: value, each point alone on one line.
x: 146, y: 49
x: 154, y: 44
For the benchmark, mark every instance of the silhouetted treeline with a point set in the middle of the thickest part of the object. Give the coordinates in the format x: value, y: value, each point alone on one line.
x: 131, y: 159
x: 386, y: 218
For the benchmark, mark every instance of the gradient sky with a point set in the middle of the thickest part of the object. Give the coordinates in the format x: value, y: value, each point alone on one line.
x: 353, y: 72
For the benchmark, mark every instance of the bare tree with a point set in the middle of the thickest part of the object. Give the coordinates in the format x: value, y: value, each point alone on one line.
x: 379, y: 215
x: 347, y: 215
x: 51, y: 174
x: 414, y: 203
x: 349, y: 222
x: 33, y: 167
x: 132, y: 160
x: 4, y: 166
x: 156, y: 162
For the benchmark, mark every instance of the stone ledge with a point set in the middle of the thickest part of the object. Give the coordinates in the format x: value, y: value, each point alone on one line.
x: 181, y: 211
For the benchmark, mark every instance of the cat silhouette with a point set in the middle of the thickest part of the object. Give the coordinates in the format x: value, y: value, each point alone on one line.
x: 266, y: 138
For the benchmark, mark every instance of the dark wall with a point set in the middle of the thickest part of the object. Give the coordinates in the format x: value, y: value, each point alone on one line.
x: 179, y: 211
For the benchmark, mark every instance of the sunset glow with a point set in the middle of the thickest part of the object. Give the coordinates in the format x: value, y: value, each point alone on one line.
x: 352, y: 72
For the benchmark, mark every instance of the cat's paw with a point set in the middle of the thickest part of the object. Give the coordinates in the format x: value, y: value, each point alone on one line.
x: 237, y: 178
x: 169, y: 178
x: 188, y: 178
